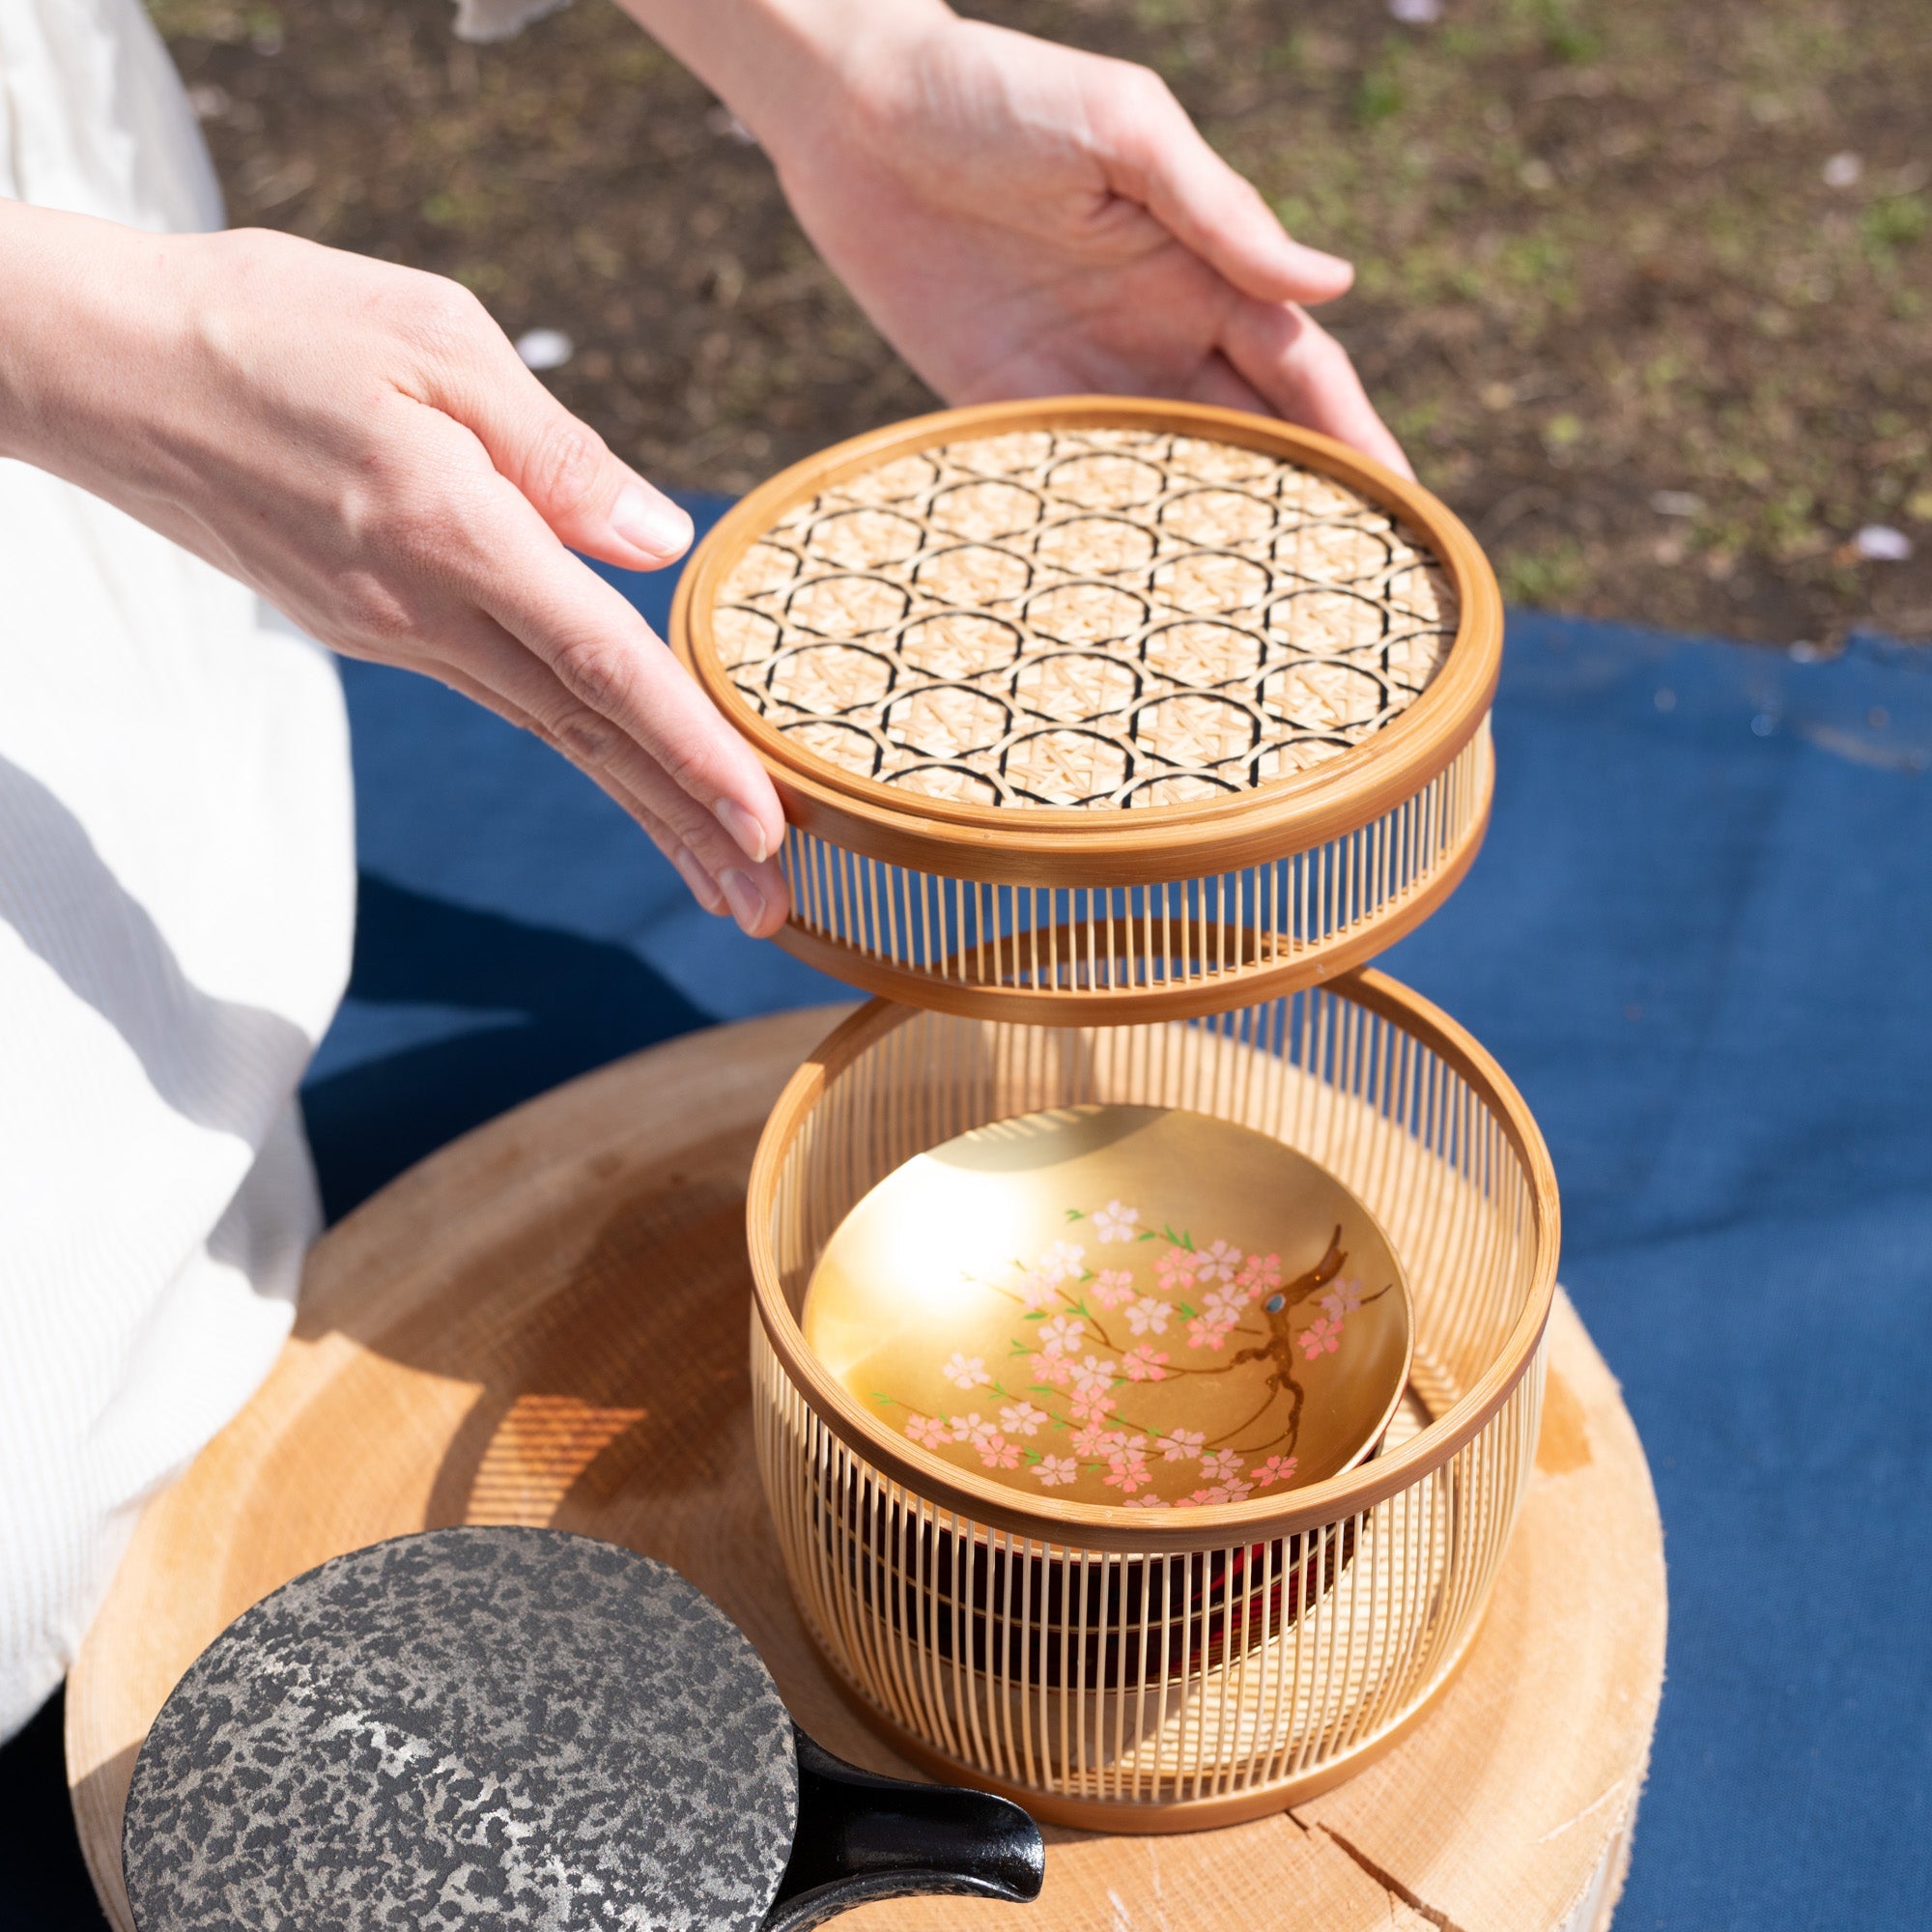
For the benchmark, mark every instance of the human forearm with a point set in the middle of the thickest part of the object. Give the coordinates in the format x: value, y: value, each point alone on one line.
x: 360, y: 443
x: 1021, y: 218
x: 74, y: 292
x: 786, y: 67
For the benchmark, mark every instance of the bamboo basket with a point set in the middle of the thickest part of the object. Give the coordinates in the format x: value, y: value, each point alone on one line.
x: 1169, y: 1669
x: 1098, y: 709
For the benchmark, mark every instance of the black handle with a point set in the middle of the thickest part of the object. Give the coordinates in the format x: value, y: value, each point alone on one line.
x: 861, y: 1837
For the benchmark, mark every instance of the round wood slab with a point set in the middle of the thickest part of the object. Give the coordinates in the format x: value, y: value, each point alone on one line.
x: 546, y: 1324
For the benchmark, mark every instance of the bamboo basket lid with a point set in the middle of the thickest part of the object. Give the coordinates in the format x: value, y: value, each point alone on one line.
x: 1063, y: 643
x: 473, y: 1346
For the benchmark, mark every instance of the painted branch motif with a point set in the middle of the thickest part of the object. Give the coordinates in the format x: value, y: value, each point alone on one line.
x: 1110, y: 1311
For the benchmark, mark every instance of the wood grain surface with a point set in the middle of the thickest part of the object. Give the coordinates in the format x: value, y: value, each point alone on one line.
x: 545, y: 1322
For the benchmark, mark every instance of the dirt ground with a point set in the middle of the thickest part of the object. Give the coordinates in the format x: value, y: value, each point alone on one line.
x: 1646, y: 287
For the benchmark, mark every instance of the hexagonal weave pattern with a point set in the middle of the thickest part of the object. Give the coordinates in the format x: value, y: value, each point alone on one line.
x: 1083, y: 618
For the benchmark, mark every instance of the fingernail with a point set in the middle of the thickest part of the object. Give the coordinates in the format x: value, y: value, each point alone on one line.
x: 1319, y: 261
x: 650, y: 523
x: 704, y: 887
x: 747, y: 903
x: 743, y: 830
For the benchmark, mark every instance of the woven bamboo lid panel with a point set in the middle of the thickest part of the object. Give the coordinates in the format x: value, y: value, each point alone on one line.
x: 1083, y: 618
x: 1154, y: 1664
x: 1051, y: 689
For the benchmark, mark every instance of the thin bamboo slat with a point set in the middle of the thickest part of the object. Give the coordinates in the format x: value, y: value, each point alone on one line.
x: 1162, y: 1670
x: 1097, y: 708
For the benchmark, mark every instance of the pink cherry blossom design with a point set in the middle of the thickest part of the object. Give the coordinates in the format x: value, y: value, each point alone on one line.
x: 928, y: 1433
x: 1203, y: 1332
x: 1276, y: 1470
x: 1261, y: 1274
x: 1146, y: 1504
x: 1218, y: 1262
x: 1093, y: 1373
x: 1115, y: 1223
x: 1022, y: 1418
x: 1090, y: 1403
x: 1053, y: 1369
x: 1344, y: 1298
x: 1127, y: 1471
x: 1143, y: 1365
x: 1051, y: 1470
x: 965, y: 1427
x: 1060, y: 1334
x: 1037, y: 1293
x: 1095, y: 1440
x: 1148, y: 1313
x: 966, y: 1371
x: 1175, y: 1269
x: 1061, y: 1260
x: 1182, y: 1444
x: 997, y: 1453
x: 1220, y: 1465
x: 1322, y: 1337
x: 1111, y: 1286
x: 1224, y: 1305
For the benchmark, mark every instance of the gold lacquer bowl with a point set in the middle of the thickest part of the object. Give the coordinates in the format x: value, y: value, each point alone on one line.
x: 1139, y: 1306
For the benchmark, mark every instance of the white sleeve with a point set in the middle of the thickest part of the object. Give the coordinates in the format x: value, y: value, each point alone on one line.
x: 498, y: 19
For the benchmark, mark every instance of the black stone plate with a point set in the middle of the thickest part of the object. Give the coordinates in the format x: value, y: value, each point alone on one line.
x: 518, y: 1728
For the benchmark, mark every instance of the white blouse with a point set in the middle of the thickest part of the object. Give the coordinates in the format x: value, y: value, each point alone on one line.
x: 177, y: 892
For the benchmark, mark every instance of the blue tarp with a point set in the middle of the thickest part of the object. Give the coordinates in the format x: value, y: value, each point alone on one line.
x: 1700, y: 939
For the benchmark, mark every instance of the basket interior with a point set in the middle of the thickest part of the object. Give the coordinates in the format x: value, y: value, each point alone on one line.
x: 1358, y: 1086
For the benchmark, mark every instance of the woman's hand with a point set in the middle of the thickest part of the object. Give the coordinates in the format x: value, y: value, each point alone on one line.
x: 1020, y: 218
x: 360, y: 443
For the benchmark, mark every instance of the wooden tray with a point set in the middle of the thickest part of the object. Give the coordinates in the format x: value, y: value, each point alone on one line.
x: 545, y: 1322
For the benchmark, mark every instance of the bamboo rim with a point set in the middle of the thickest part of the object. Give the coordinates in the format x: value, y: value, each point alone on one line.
x: 1151, y: 1817
x: 1110, y: 1528
x: 1251, y: 983
x: 1051, y: 846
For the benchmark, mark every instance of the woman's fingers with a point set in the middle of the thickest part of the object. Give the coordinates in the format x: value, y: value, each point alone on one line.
x: 667, y: 742
x: 517, y: 614
x: 703, y: 888
x: 495, y: 668
x: 562, y: 467
x: 562, y: 645
x: 1305, y: 375
x: 1154, y: 154
x: 1217, y: 382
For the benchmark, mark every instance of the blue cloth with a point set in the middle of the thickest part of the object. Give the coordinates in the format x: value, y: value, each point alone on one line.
x: 1698, y: 939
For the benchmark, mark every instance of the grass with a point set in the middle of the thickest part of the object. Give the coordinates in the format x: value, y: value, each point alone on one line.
x: 1600, y: 261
